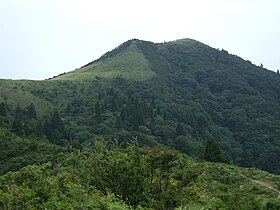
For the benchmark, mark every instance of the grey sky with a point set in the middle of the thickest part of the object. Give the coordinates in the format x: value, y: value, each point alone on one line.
x: 43, y: 38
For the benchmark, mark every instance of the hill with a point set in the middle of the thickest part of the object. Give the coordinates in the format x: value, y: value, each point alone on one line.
x: 194, y: 113
x: 178, y: 94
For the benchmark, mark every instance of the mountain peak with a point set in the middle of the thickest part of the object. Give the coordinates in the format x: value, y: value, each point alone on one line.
x: 136, y: 59
x: 122, y: 47
x: 141, y: 60
x: 125, y: 61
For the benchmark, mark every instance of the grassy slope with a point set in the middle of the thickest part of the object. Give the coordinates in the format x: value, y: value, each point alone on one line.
x: 22, y: 92
x: 130, y: 64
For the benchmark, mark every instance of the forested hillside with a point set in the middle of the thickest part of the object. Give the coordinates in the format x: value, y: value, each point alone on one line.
x: 175, y: 99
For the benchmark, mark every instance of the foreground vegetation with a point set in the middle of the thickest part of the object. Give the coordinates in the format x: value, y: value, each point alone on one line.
x: 108, y: 175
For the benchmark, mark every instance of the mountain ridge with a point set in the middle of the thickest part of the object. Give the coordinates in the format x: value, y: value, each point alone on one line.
x: 187, y: 45
x: 210, y: 92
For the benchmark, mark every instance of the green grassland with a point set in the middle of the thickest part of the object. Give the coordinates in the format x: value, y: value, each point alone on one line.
x: 21, y: 92
x: 130, y: 64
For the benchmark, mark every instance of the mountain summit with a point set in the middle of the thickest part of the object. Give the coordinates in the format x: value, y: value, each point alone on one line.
x: 134, y: 59
x: 142, y: 60
x: 126, y: 61
x: 181, y: 94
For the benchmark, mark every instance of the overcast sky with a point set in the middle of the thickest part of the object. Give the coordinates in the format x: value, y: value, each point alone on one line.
x: 43, y: 38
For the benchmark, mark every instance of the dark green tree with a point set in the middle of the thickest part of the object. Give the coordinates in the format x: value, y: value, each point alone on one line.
x: 3, y: 115
x: 140, y: 116
x: 17, y: 125
x: 105, y: 105
x: 245, y: 159
x: 123, y: 114
x: 158, y: 112
x: 179, y: 130
x: 3, y: 109
x: 54, y: 129
x: 213, y: 152
x: 68, y: 109
x: 47, y: 128
x: 57, y: 123
x: 135, y: 122
x: 118, y: 122
x: 97, y: 111
x: 153, y: 103
x: 31, y: 112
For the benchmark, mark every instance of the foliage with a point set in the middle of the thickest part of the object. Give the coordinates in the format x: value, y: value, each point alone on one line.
x: 125, y: 176
x: 213, y: 152
x: 17, y: 152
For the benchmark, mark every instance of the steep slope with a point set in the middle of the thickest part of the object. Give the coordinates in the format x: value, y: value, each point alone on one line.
x: 178, y: 93
x: 128, y: 63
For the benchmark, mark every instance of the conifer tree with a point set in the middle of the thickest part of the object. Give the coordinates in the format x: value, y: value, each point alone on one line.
x: 54, y: 128
x: 179, y: 130
x: 213, y: 152
x: 153, y: 103
x: 31, y: 112
x: 57, y: 123
x: 17, y: 125
x: 97, y: 111
x: 3, y: 110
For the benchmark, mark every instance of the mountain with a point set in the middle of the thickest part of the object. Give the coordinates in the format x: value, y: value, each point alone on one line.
x: 66, y: 142
x: 178, y: 93
x: 210, y: 92
x: 148, y: 90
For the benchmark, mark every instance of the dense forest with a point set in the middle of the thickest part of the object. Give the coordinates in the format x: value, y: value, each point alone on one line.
x: 134, y: 128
